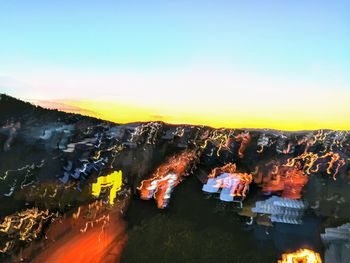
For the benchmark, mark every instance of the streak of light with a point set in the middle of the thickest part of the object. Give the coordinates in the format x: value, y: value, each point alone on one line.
x: 244, y: 138
x: 309, y: 160
x: 166, y: 177
x: 301, y: 256
x: 228, y: 168
x: 113, y: 180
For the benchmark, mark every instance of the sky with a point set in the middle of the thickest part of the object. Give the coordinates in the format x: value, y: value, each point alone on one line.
x: 236, y: 64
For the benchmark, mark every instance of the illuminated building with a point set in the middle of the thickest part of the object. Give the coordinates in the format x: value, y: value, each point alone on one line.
x: 282, y: 210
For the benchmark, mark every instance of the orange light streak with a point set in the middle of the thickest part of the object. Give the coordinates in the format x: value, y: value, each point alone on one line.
x: 301, y: 256
x: 166, y: 177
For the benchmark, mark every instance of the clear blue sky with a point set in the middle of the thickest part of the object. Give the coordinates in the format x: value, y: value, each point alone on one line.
x: 278, y: 36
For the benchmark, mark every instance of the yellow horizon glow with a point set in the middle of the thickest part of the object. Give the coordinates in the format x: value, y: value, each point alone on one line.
x: 283, y: 118
x: 222, y: 97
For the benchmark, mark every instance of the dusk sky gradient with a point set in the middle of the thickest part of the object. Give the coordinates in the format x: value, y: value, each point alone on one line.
x: 255, y: 64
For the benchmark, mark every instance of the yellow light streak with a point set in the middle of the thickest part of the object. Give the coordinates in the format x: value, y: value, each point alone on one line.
x: 113, y: 180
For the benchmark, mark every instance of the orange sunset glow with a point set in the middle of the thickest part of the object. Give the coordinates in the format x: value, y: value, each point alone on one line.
x: 248, y: 113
